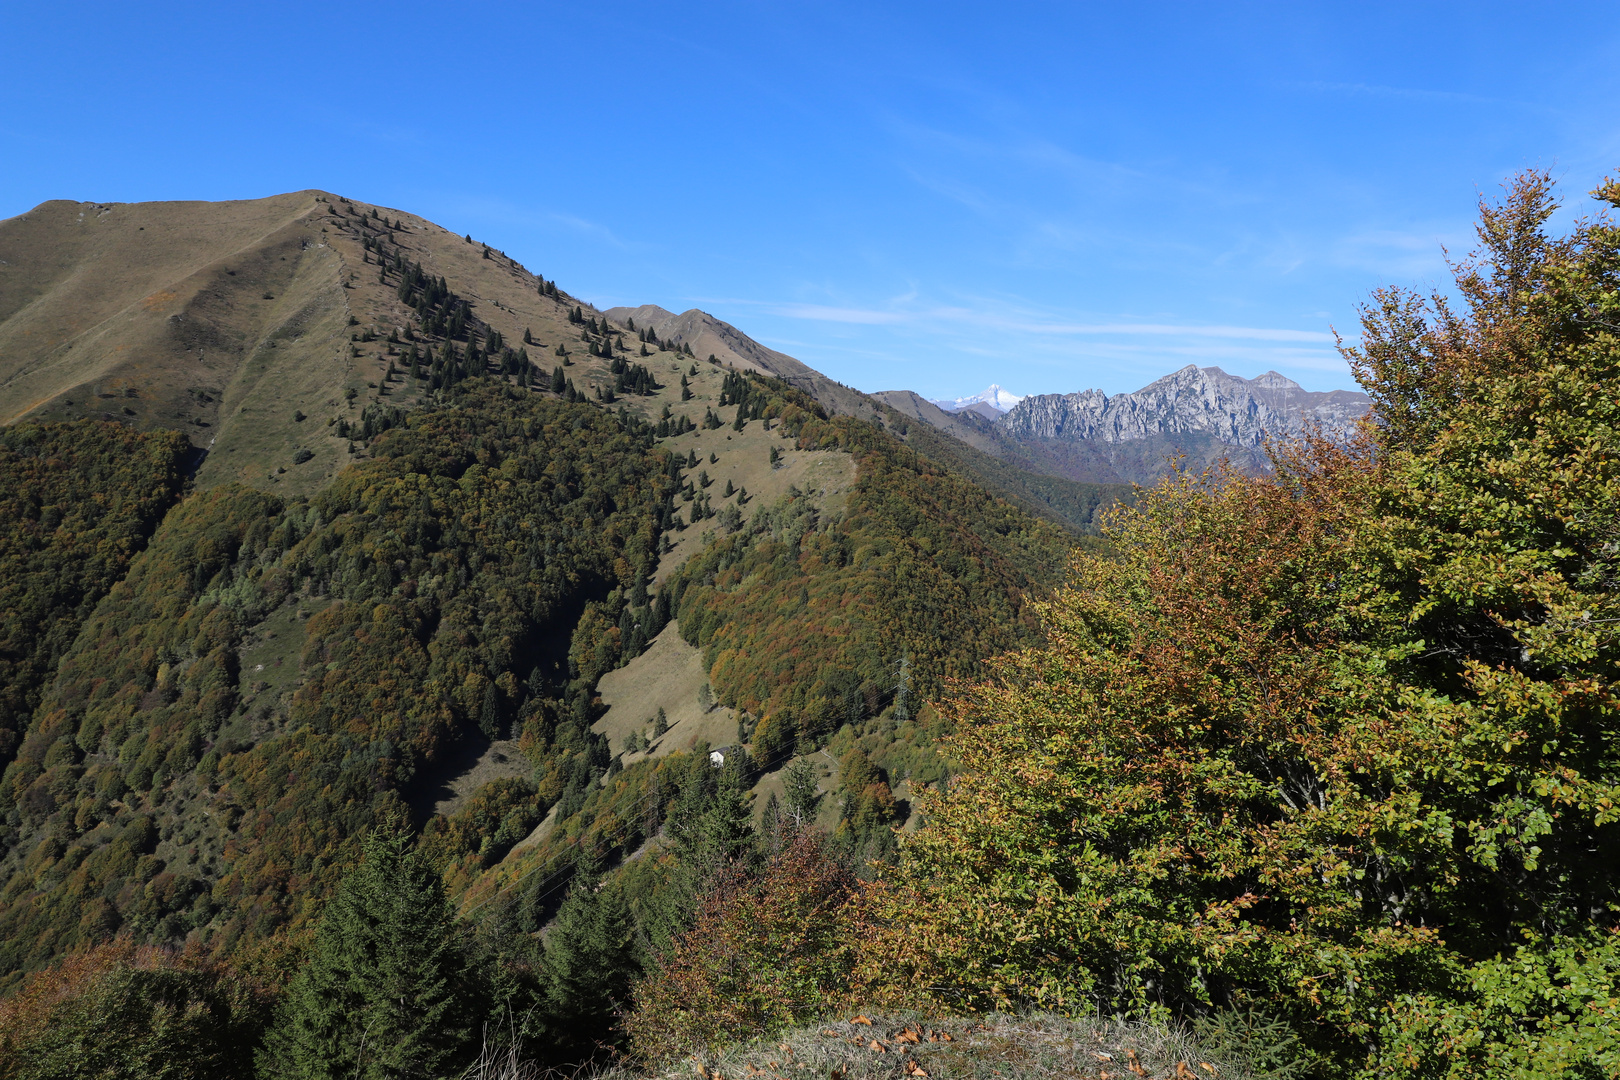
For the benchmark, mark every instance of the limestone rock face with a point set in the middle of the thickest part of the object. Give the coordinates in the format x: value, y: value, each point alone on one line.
x: 1194, y: 401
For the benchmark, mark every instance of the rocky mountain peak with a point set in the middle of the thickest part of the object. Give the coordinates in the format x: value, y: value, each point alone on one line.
x: 990, y: 402
x: 1271, y: 380
x: 1191, y: 401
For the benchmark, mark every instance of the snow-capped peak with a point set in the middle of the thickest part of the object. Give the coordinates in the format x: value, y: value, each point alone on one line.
x: 995, y: 397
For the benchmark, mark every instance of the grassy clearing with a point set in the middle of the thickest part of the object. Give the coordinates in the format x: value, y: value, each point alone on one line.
x: 902, y: 1046
x: 1009, y: 1047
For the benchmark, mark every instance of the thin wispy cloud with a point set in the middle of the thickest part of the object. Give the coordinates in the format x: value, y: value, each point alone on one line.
x: 1253, y: 333
x: 876, y: 317
x: 1408, y: 92
x: 505, y: 215
x: 590, y: 228
x: 823, y: 313
x: 1114, y: 354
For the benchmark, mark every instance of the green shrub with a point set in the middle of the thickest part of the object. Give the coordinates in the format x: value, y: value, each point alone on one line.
x: 117, y: 1012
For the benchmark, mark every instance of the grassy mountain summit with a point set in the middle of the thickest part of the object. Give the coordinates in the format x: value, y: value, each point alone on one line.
x: 249, y: 326
x: 262, y: 329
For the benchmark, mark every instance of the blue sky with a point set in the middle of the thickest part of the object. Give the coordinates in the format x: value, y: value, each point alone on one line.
x: 927, y: 196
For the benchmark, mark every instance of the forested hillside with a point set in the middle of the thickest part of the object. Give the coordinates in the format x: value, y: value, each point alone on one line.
x: 174, y: 781
x: 273, y: 676
x: 79, y: 501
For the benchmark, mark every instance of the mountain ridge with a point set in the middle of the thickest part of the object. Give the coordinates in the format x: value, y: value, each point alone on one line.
x: 1233, y: 410
x: 1192, y: 418
x: 438, y: 500
x: 709, y: 336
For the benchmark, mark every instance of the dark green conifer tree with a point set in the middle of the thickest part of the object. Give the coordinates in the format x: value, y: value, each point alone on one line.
x: 590, y: 962
x: 722, y: 835
x: 386, y: 993
x: 801, y: 799
x: 489, y: 717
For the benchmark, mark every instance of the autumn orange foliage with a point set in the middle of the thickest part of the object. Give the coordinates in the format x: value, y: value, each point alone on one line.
x: 767, y: 950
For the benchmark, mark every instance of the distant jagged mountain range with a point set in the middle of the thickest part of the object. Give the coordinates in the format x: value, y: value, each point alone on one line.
x: 1231, y: 409
x: 1197, y: 415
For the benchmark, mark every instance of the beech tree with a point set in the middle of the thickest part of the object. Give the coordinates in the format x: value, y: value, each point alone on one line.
x: 1342, y: 742
x: 766, y: 950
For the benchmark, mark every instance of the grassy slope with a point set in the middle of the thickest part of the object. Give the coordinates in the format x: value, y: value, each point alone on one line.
x: 224, y: 320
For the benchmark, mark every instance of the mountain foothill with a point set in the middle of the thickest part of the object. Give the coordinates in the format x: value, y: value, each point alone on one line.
x: 404, y: 660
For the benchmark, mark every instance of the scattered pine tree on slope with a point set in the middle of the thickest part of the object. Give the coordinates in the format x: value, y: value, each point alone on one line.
x: 1339, y: 743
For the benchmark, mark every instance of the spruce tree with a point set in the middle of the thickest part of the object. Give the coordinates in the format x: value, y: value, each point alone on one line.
x: 590, y: 962
x: 800, y: 796
x: 723, y: 835
x: 386, y: 993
